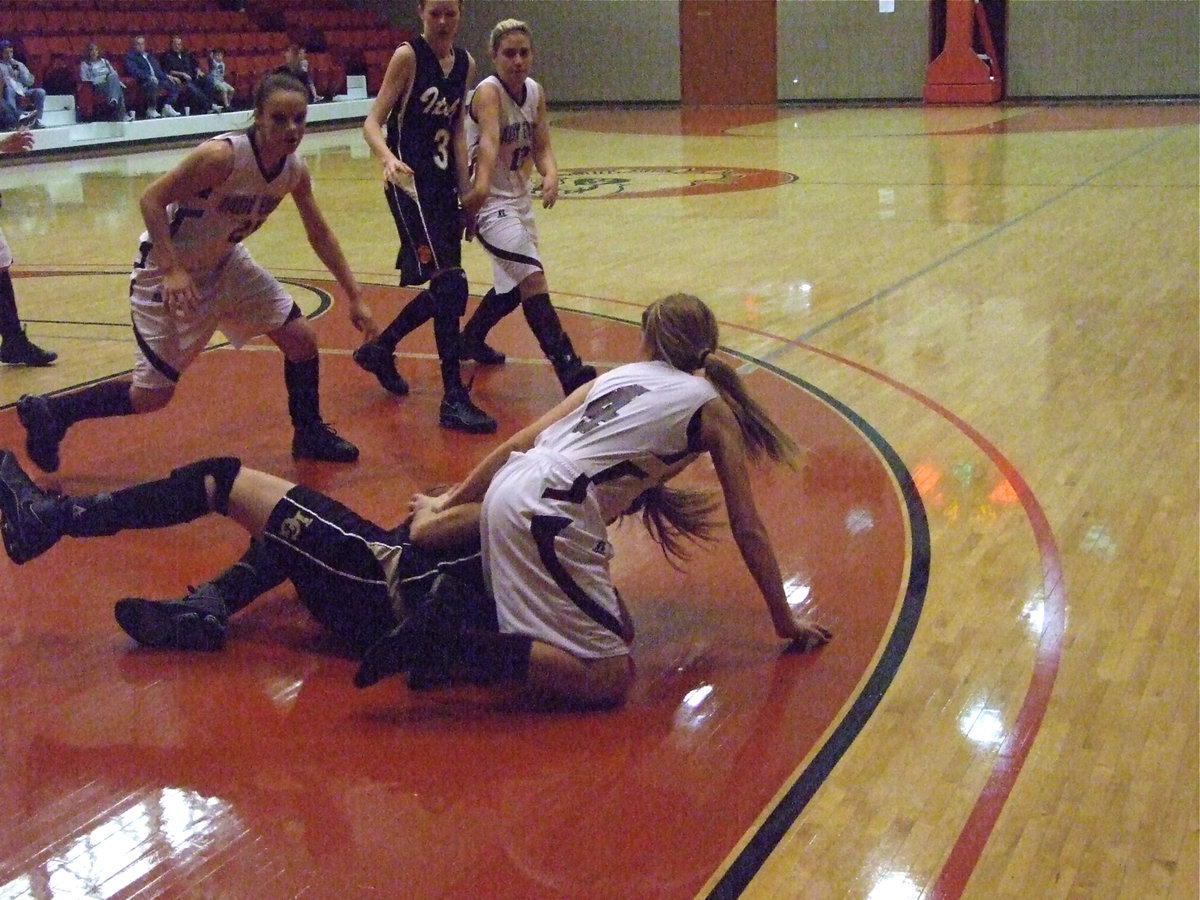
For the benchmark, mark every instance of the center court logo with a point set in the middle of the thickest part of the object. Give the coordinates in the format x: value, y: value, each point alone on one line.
x: 635, y: 182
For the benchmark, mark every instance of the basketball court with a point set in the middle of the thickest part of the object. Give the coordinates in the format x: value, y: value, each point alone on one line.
x: 981, y: 326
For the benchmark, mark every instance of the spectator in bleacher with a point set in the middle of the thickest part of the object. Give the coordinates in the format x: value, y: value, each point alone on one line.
x: 218, y: 84
x: 144, y: 67
x: 295, y: 63
x: 99, y: 72
x: 19, y: 91
x: 182, y: 68
x: 15, y: 347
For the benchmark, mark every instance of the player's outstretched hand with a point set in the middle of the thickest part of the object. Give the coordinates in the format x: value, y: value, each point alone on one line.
x: 809, y: 636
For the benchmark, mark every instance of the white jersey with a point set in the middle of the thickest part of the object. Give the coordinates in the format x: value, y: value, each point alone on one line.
x: 514, y: 157
x: 206, y: 226
x: 6, y: 257
x: 545, y: 515
x: 637, y: 428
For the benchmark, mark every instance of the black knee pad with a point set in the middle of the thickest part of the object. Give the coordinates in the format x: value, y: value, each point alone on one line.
x: 450, y: 290
x: 222, y: 469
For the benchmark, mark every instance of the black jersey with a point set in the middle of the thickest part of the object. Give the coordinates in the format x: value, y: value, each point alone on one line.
x: 420, y: 127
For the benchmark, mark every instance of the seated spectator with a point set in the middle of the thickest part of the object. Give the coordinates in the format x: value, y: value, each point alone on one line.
x: 19, y: 92
x: 144, y: 68
x: 99, y: 72
x: 181, y: 68
x: 222, y: 91
x: 295, y: 63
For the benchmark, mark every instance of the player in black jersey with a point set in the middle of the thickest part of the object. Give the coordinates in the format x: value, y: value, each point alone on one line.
x: 358, y: 579
x: 415, y: 128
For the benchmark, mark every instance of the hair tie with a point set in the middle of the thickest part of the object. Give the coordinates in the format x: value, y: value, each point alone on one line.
x: 703, y: 356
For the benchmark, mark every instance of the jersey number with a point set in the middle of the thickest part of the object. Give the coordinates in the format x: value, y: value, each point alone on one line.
x: 605, y: 409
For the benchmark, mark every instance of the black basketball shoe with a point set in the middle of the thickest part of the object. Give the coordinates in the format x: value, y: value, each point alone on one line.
x: 381, y: 363
x: 316, y: 440
x: 32, y: 519
x: 194, y: 622
x: 43, y: 431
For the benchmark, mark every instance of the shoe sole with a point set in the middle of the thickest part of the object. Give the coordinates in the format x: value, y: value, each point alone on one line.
x: 467, y: 427
x: 325, y: 457
x: 154, y: 624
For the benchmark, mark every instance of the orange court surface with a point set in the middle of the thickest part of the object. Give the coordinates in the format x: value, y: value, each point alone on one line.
x: 981, y: 324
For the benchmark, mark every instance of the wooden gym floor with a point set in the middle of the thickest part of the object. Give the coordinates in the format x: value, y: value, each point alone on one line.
x: 982, y: 324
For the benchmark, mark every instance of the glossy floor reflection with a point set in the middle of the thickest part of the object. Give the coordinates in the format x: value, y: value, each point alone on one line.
x: 130, y: 768
x: 980, y: 322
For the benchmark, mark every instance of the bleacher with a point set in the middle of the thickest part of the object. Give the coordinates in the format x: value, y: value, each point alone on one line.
x: 348, y: 49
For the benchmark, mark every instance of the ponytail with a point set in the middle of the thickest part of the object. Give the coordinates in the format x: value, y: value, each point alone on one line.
x: 672, y: 515
x: 680, y: 329
x: 759, y: 432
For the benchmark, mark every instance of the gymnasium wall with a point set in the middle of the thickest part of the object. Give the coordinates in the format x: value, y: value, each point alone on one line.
x: 628, y: 50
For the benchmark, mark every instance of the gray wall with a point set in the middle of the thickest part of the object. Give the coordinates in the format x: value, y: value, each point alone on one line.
x: 628, y: 50
x: 1087, y: 48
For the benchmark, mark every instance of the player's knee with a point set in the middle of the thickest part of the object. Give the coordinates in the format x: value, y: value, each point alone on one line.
x: 148, y: 400
x: 450, y: 289
x: 214, y: 477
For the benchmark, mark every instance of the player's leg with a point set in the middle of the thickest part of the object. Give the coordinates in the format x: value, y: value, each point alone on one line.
x: 249, y: 302
x: 15, y: 347
x: 164, y: 347
x: 492, y: 308
x: 511, y: 241
x: 449, y: 289
x: 547, y: 328
x: 34, y: 520
x: 198, y: 620
x: 415, y: 260
x: 313, y: 437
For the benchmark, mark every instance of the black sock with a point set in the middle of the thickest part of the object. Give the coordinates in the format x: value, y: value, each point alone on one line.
x: 416, y: 313
x: 303, y: 381
x: 547, y: 328
x: 492, y: 308
x: 445, y: 334
x: 180, y: 497
x: 10, y: 322
x: 98, y: 401
x: 251, y: 576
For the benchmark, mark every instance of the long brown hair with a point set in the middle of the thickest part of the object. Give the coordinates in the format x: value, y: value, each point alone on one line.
x: 681, y: 330
x: 672, y: 515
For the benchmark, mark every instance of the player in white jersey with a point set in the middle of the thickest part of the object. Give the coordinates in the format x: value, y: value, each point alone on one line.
x: 549, y: 493
x: 15, y: 347
x: 508, y: 136
x: 192, y: 275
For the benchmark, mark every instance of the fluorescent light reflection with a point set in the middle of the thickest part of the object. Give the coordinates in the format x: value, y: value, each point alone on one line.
x: 128, y: 846
x: 859, y: 520
x: 1034, y: 612
x: 798, y: 593
x: 982, y: 725
x: 694, y: 708
x: 894, y: 886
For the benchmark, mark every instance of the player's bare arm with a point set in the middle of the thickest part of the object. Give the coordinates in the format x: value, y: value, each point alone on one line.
x: 205, y: 167
x: 397, y: 81
x: 543, y: 156
x: 722, y: 438
x: 325, y: 244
